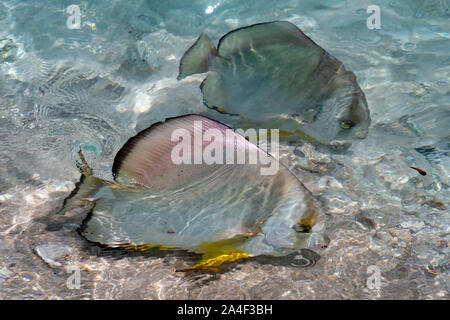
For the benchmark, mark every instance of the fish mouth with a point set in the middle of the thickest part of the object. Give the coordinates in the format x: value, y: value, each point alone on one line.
x: 349, y: 122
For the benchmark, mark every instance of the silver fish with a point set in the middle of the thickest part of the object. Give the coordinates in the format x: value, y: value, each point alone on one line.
x: 224, y: 211
x: 272, y: 75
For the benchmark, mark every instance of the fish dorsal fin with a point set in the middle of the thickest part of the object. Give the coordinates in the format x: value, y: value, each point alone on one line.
x: 147, y: 159
x: 245, y: 38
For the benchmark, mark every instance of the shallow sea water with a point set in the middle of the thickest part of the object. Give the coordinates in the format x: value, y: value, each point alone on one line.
x: 63, y: 89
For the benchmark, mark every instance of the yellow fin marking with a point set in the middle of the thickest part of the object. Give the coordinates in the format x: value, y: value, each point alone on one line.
x: 218, y: 252
x: 212, y: 264
x: 305, y: 136
x: 132, y: 247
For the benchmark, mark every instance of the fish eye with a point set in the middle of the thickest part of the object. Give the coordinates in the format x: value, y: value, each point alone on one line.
x: 346, y: 124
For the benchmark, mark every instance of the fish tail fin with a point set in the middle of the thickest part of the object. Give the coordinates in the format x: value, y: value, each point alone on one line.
x: 80, y: 198
x: 85, y: 188
x: 197, y: 58
x: 83, y: 166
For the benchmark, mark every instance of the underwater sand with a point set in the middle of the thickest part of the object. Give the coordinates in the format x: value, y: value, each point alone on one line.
x: 93, y: 88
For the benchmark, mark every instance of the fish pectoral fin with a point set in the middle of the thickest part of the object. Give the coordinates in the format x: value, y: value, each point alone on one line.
x: 197, y: 58
x: 212, y: 263
x: 218, y: 252
x: 84, y: 190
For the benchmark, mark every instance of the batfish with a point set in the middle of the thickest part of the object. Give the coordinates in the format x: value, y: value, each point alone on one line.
x: 272, y: 75
x: 164, y: 196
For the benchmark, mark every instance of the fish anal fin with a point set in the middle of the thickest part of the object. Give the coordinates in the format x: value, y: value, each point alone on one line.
x: 212, y: 264
x: 83, y: 166
x: 197, y: 58
x: 218, y: 252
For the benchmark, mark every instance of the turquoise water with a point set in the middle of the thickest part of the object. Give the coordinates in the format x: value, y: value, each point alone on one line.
x: 94, y: 87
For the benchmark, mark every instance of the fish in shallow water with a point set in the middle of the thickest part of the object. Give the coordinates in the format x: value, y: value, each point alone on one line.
x: 273, y: 76
x: 224, y: 211
x: 422, y: 172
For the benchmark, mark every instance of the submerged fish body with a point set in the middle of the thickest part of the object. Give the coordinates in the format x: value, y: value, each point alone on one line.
x: 273, y: 76
x: 224, y: 211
